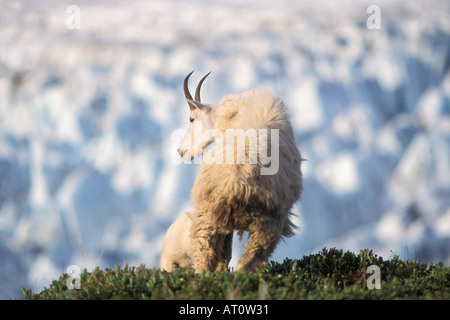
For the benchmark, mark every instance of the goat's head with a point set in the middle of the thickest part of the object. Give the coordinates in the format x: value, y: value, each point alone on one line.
x: 197, y: 138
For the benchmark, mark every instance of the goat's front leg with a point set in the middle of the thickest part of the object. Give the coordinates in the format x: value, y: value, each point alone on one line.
x: 204, y: 244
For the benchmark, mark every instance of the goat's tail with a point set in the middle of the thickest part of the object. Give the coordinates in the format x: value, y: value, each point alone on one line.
x: 289, y: 227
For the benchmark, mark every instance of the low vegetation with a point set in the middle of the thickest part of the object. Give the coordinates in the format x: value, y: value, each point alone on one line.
x: 329, y: 274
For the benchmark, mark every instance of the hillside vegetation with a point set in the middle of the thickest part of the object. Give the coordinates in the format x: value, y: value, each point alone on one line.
x: 330, y: 274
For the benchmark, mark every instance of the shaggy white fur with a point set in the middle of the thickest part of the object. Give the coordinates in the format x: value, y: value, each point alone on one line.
x: 176, y: 251
x: 230, y: 197
x: 247, y: 191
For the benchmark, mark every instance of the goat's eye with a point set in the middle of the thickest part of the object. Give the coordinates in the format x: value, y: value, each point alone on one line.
x: 191, y: 119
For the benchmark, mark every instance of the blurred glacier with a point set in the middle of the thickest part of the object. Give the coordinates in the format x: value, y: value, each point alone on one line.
x: 88, y: 175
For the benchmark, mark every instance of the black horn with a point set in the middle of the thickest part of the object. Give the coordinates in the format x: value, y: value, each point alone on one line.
x: 187, y: 94
x: 197, y: 92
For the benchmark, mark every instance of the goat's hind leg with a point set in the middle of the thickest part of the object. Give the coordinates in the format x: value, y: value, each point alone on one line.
x: 224, y: 244
x: 263, y: 238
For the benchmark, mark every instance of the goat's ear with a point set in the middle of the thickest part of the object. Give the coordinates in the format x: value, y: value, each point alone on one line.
x: 195, y: 105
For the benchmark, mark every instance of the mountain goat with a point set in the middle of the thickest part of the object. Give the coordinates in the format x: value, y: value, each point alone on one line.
x: 176, y: 252
x: 238, y: 186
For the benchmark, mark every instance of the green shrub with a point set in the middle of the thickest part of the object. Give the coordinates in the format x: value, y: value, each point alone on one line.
x: 329, y: 274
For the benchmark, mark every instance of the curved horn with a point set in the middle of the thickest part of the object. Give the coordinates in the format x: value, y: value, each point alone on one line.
x: 187, y: 94
x: 197, y: 92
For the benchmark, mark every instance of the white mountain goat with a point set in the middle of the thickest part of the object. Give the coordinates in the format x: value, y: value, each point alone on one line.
x: 238, y: 186
x: 176, y: 251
